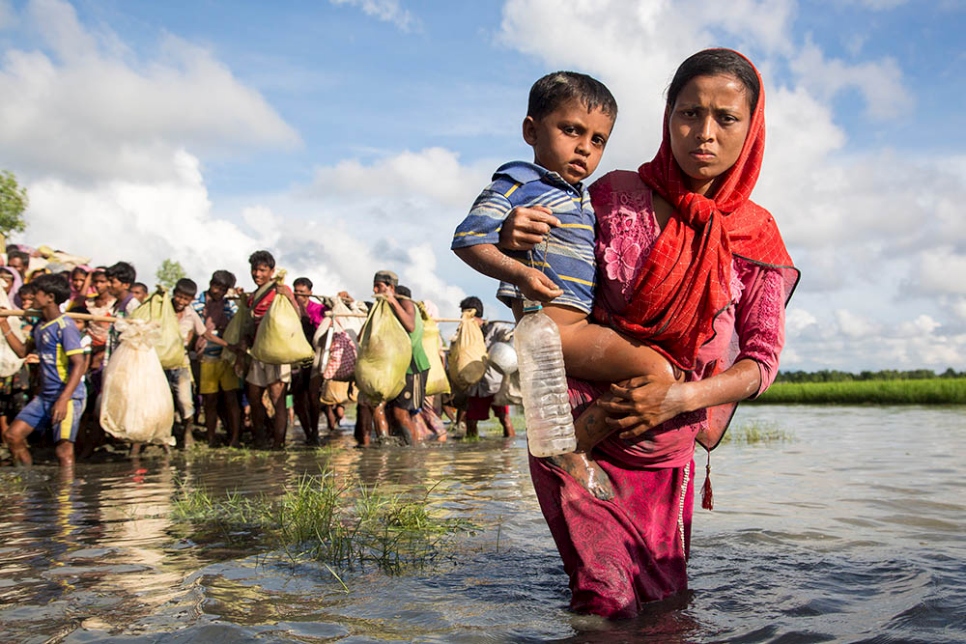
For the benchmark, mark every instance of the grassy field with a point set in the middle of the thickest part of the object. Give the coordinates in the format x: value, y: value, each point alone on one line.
x: 933, y: 391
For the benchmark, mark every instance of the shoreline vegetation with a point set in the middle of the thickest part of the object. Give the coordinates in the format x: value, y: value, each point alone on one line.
x: 920, y: 387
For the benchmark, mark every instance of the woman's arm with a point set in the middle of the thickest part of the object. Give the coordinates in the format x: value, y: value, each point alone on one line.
x: 637, y: 405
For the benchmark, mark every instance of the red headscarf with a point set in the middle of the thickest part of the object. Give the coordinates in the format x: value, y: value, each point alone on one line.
x: 685, y: 281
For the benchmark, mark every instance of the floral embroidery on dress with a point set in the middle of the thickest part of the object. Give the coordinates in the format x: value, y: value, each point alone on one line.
x: 627, y: 234
x: 737, y: 285
x: 620, y: 259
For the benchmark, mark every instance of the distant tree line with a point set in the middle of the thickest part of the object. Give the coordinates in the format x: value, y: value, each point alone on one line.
x: 827, y: 375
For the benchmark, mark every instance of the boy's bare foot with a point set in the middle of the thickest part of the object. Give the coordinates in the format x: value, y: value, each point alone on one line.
x: 586, y: 472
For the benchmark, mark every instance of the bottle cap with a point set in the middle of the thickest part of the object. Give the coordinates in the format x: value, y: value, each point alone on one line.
x: 530, y: 306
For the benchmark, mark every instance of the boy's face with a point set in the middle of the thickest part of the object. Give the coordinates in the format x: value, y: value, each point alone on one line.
x: 27, y: 301
x: 261, y: 273
x: 101, y: 284
x: 42, y: 299
x: 216, y: 291
x: 140, y: 293
x: 81, y: 325
x: 116, y: 287
x: 302, y: 293
x: 570, y: 140
x: 180, y: 300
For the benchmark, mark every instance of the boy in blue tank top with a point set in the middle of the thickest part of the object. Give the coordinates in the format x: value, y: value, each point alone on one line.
x: 63, y: 362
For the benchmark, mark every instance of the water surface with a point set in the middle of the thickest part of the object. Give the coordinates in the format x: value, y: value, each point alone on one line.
x: 851, y: 530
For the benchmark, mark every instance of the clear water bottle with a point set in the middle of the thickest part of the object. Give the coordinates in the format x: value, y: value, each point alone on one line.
x: 543, y: 383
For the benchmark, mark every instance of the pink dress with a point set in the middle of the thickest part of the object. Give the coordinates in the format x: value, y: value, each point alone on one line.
x: 634, y: 548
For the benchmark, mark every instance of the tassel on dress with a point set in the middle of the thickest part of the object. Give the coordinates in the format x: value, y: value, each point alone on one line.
x: 707, y: 494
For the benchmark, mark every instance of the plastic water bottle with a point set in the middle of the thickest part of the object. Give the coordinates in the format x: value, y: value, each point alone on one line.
x: 543, y: 383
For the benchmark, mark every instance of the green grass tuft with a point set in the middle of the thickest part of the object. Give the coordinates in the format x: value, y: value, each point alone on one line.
x: 338, y: 522
x: 755, y: 433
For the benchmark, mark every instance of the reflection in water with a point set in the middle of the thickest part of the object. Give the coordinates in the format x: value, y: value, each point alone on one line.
x: 851, y: 531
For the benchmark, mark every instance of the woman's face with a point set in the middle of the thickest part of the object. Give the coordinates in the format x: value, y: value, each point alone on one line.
x: 708, y: 125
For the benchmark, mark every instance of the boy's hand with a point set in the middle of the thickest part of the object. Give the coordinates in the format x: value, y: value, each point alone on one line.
x: 524, y: 228
x: 59, y: 411
x: 537, y: 286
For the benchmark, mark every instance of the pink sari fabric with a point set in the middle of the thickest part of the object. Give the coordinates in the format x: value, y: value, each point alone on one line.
x: 621, y: 553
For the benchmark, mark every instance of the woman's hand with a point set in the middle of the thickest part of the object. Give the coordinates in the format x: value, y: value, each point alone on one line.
x: 524, y: 228
x: 634, y: 406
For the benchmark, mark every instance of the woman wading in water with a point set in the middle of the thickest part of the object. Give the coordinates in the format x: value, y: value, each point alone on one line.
x: 689, y: 265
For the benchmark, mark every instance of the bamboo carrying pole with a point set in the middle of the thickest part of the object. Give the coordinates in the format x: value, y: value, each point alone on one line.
x: 7, y: 313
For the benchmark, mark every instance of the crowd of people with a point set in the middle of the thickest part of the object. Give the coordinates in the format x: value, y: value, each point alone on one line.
x: 68, y: 331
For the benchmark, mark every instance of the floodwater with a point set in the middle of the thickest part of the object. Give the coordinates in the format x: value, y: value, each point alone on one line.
x: 849, y: 530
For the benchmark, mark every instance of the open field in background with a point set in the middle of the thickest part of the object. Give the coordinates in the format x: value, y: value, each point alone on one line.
x: 931, y: 391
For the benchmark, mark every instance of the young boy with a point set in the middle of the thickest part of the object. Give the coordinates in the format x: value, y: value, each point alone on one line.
x: 261, y: 375
x: 306, y: 379
x: 120, y: 278
x: 217, y: 377
x: 569, y: 120
x: 182, y: 385
x: 63, y: 363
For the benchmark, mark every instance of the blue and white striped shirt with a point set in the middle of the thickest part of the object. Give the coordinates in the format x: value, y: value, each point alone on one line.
x: 568, y: 255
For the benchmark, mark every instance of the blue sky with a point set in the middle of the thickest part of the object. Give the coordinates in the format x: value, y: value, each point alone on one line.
x: 352, y: 135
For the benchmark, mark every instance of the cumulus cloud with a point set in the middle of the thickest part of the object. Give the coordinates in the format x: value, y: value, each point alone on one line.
x: 385, y: 10
x: 86, y: 109
x: 879, y: 82
x: 143, y: 222
x: 433, y: 173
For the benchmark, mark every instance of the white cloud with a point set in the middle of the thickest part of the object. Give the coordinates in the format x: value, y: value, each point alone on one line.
x: 142, y: 222
x: 88, y: 112
x: 880, y: 83
x: 434, y: 173
x: 384, y: 10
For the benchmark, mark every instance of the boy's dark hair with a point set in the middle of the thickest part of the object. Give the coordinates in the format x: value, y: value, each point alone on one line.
x: 553, y: 90
x: 27, y: 289
x: 186, y: 286
x: 224, y: 279
x: 472, y: 302
x: 404, y: 291
x: 261, y: 257
x: 79, y: 270
x: 98, y: 271
x: 141, y: 285
x: 56, y: 286
x: 19, y: 254
x: 81, y: 309
x: 124, y: 273
x: 302, y: 281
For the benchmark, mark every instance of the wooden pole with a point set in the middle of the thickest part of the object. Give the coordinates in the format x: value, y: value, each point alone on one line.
x: 6, y: 313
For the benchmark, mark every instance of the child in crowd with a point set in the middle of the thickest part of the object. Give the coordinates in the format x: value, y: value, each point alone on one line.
x: 263, y: 376
x: 192, y: 328
x: 120, y: 278
x: 102, y: 304
x: 569, y: 121
x: 217, y: 378
x: 481, y: 396
x: 306, y: 379
x: 61, y: 400
x: 80, y: 286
